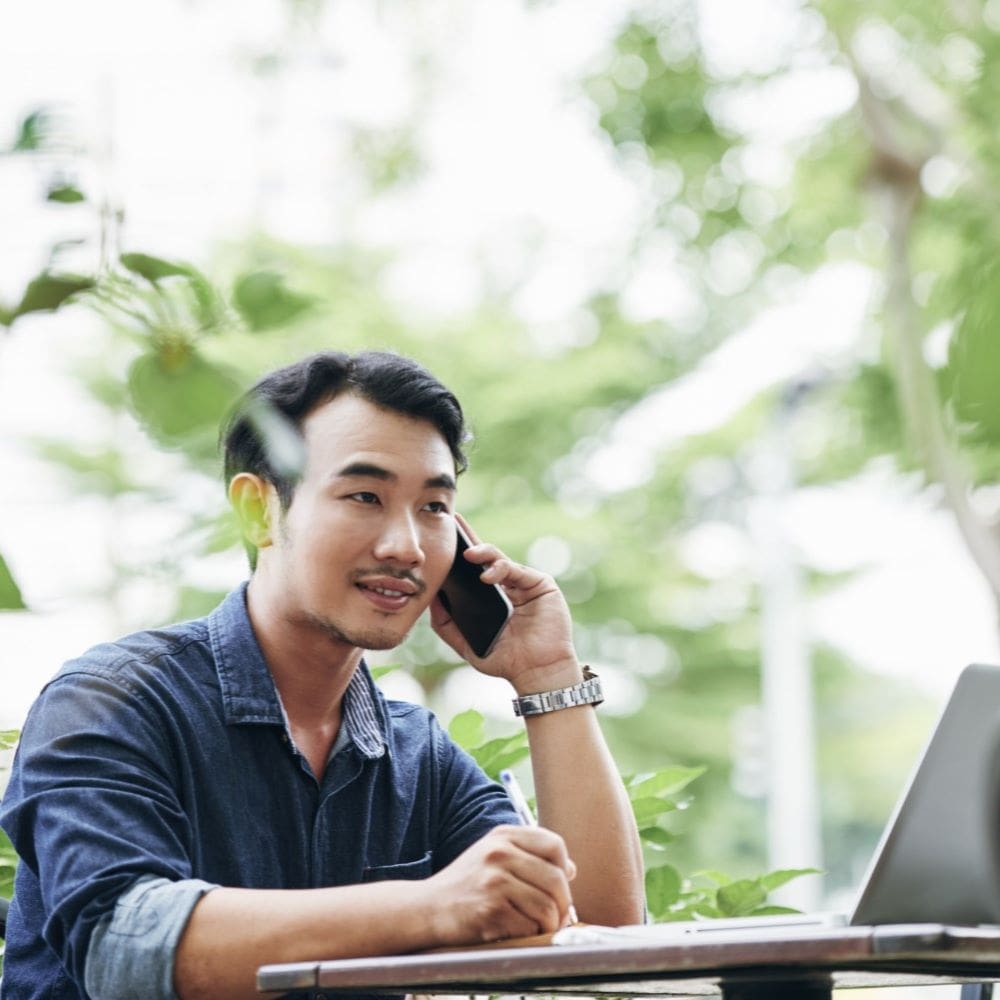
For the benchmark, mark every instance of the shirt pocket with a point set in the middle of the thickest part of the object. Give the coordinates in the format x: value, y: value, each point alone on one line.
x: 421, y: 868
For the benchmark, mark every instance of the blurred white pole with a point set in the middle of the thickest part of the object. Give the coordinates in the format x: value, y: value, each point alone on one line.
x: 793, y: 821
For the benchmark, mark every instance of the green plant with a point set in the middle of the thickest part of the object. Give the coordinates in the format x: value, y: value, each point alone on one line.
x: 669, y: 895
x: 708, y: 893
x: 8, y: 857
x: 468, y: 730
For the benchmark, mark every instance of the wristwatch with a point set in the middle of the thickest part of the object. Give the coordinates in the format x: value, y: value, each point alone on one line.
x: 587, y: 692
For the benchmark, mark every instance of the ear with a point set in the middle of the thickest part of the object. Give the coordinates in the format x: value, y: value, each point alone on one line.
x: 251, y: 499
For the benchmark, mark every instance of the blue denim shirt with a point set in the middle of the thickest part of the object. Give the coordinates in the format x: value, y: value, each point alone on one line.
x: 165, y: 758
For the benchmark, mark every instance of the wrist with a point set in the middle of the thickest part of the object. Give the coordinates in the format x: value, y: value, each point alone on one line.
x: 565, y: 673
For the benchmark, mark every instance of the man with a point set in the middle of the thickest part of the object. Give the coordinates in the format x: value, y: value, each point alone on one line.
x: 193, y: 802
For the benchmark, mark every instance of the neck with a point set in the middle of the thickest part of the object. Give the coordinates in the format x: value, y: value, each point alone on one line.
x: 311, y: 669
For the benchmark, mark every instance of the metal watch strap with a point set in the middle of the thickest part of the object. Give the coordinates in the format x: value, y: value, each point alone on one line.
x: 588, y: 692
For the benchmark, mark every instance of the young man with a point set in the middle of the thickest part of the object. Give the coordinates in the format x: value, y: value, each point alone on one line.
x: 193, y: 802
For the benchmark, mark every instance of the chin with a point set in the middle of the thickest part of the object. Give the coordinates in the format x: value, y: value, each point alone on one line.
x: 362, y: 637
x: 379, y: 639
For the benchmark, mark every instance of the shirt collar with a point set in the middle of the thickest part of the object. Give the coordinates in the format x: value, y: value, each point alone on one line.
x: 248, y: 691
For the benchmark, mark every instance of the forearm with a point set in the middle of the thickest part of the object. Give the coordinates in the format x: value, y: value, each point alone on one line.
x: 580, y: 796
x: 233, y: 931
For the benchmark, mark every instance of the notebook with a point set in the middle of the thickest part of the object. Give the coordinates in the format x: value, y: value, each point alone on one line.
x: 938, y: 860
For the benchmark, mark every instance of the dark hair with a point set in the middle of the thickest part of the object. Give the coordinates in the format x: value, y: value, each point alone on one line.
x: 263, y: 433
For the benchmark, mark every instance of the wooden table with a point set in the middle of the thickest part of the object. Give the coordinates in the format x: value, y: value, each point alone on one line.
x: 779, y: 964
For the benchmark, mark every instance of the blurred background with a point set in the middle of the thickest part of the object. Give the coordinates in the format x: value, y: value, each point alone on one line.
x: 714, y: 280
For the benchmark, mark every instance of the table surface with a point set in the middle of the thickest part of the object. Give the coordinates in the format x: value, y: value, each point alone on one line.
x: 905, y: 954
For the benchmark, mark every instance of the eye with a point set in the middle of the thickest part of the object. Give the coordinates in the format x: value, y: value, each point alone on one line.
x: 436, y: 507
x: 364, y: 497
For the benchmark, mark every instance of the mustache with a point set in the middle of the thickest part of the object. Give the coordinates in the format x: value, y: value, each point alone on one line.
x: 392, y: 572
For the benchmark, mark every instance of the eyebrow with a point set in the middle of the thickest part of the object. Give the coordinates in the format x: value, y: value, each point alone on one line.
x: 368, y: 470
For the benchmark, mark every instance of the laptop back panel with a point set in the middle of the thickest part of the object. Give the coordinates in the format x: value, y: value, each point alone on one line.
x: 939, y: 857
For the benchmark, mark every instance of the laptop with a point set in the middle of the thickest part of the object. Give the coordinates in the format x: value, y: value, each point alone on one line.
x: 939, y: 857
x: 938, y: 860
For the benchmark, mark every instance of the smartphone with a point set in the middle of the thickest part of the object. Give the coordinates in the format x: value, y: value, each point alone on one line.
x: 480, y: 610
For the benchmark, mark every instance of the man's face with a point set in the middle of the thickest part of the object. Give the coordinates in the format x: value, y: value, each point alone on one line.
x: 370, y: 534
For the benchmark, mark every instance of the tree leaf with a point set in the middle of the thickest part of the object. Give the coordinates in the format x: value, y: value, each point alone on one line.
x: 265, y: 302
x: 668, y: 781
x: 48, y: 292
x: 9, y: 738
x: 282, y: 440
x: 34, y: 130
x: 656, y: 837
x: 719, y: 878
x: 467, y: 729
x: 10, y: 593
x: 153, y: 269
x: 104, y: 470
x: 647, y: 810
x: 176, y: 393
x: 782, y: 876
x: 497, y: 754
x: 663, y: 887
x: 740, y: 898
x: 65, y: 194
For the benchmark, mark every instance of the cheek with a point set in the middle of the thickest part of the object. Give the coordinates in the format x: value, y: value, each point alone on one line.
x: 440, y: 554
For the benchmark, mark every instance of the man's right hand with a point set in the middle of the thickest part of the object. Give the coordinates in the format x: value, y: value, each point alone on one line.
x: 514, y: 882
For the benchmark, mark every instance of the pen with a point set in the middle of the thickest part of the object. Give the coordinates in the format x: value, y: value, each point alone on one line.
x: 513, y: 789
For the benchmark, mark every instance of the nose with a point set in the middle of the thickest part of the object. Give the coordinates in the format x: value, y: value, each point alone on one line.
x: 399, y: 542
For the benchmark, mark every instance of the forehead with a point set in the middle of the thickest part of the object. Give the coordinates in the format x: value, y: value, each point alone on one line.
x: 348, y: 428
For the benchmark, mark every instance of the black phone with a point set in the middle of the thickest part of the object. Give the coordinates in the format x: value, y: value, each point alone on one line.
x: 480, y: 610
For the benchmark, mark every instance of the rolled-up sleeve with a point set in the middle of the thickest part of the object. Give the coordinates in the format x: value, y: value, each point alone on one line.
x: 132, y: 952
x: 92, y: 808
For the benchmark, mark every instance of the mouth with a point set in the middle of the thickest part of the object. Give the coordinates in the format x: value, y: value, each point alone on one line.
x: 389, y: 594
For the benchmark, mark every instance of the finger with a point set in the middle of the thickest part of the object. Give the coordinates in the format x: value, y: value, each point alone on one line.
x: 505, y: 920
x: 482, y: 553
x: 534, y: 888
x: 539, y: 863
x: 513, y: 575
x: 542, y: 910
x: 537, y: 840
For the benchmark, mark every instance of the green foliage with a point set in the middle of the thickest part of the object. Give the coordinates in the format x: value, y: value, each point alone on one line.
x: 10, y: 593
x: 265, y: 302
x: 714, y: 895
x: 154, y: 269
x: 8, y: 856
x: 65, y: 194
x: 705, y: 894
x: 8, y: 868
x: 46, y: 293
x: 468, y: 730
x: 669, y: 895
x: 974, y: 359
x: 33, y: 131
x: 178, y: 395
